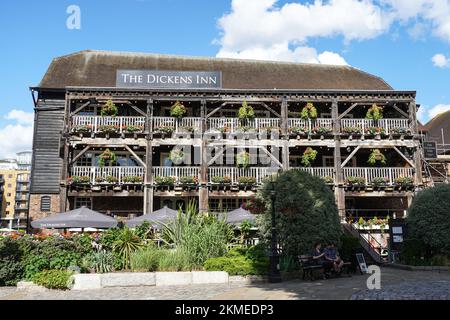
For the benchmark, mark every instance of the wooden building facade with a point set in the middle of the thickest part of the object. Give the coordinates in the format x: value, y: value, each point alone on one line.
x: 73, y: 135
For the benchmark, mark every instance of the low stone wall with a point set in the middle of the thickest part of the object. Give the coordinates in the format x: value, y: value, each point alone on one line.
x: 90, y: 281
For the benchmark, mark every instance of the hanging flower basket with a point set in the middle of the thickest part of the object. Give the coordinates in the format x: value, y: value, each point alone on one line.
x: 107, y: 158
x: 376, y: 156
x: 178, y: 110
x: 308, y: 157
x: 308, y: 112
x: 243, y: 160
x: 375, y: 112
x: 246, y: 113
x: 176, y: 156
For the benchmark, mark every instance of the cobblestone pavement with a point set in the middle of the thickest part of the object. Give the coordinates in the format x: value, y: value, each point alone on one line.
x: 396, y: 284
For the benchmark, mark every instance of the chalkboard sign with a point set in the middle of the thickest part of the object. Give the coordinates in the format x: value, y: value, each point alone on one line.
x: 429, y: 150
x: 362, y: 263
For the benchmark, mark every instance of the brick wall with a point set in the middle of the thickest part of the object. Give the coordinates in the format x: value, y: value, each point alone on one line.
x: 35, y: 206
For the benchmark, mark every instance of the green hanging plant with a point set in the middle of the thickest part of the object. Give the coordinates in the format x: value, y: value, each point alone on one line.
x: 376, y: 156
x: 308, y: 112
x: 178, y: 110
x: 243, y: 159
x: 176, y: 156
x: 107, y: 157
x: 246, y: 112
x: 375, y: 112
x: 309, y: 156
x: 109, y: 109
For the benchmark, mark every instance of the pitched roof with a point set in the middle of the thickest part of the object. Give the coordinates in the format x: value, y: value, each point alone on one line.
x: 98, y: 69
x: 434, y: 127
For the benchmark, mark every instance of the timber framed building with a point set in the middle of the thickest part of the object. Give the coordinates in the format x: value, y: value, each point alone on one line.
x: 71, y: 135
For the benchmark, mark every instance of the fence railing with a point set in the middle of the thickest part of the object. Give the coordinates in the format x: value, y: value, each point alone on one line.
x: 96, y: 173
x: 390, y: 174
x: 364, y: 124
x: 310, y: 124
x: 234, y: 124
x: 178, y: 125
x: 258, y: 173
x: 318, y: 171
x: 176, y: 172
x: 99, y: 123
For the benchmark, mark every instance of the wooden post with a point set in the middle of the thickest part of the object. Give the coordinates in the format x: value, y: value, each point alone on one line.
x: 148, y: 180
x: 339, y: 191
x: 203, y: 197
x: 65, y: 166
x: 412, y: 116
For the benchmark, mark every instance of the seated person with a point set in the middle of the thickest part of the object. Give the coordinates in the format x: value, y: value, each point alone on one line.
x: 319, y: 257
x: 332, y: 255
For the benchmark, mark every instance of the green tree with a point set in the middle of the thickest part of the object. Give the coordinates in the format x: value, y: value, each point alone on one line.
x: 305, y: 211
x: 429, y: 218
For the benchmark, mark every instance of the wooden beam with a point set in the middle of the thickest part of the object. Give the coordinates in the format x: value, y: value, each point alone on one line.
x: 136, y: 156
x: 80, y: 154
x: 403, y: 113
x: 80, y: 108
x: 350, y: 156
x: 271, y: 156
x: 347, y: 111
x: 404, y: 157
x: 219, y: 154
x: 269, y: 108
x: 142, y: 113
x: 216, y: 109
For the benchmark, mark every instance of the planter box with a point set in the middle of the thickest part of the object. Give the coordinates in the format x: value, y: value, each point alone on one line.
x: 87, y: 281
x: 128, y: 279
x: 173, y: 278
x: 203, y: 277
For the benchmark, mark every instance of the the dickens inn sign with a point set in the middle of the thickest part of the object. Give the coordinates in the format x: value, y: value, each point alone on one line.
x: 149, y: 79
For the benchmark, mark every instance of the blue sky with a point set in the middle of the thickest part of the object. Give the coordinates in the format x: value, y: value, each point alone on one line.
x: 394, y: 39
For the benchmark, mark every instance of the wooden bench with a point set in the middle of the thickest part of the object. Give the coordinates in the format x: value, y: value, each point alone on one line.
x: 308, y: 266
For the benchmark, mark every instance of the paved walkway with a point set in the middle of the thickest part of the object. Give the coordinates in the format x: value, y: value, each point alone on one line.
x: 395, y: 284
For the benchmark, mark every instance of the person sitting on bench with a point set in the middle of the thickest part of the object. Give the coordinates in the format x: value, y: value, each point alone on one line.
x: 319, y: 257
x: 332, y: 255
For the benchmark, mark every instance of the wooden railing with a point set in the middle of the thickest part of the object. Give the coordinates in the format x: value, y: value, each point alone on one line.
x: 318, y: 171
x: 390, y: 174
x: 259, y: 173
x: 176, y: 172
x: 177, y: 124
x: 234, y: 124
x: 309, y: 124
x: 386, y: 124
x: 103, y: 172
x: 96, y: 123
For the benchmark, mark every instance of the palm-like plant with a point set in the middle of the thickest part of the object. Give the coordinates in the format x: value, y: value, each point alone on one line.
x: 126, y: 243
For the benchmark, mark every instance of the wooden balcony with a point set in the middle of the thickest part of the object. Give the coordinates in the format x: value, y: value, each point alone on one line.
x: 177, y: 172
x: 233, y: 175
x: 98, y: 124
x: 309, y: 126
x: 183, y: 125
x: 323, y: 172
x: 105, y: 175
x: 369, y: 174
x: 389, y: 126
x: 233, y: 125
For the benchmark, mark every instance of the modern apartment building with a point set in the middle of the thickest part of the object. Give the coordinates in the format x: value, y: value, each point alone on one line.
x: 129, y: 133
x: 15, y: 189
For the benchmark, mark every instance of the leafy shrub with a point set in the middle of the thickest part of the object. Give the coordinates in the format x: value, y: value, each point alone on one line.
x: 305, y: 212
x: 53, y: 279
x: 439, y: 260
x: 126, y: 243
x: 241, y: 261
x: 146, y: 259
x: 414, y: 252
x: 348, y: 246
x: 100, y: 262
x: 429, y: 218
x: 11, y: 270
x: 174, y: 260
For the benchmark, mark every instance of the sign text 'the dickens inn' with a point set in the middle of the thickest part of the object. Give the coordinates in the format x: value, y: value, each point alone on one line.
x: 149, y: 79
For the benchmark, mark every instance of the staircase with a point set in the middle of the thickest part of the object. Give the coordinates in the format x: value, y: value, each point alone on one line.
x: 372, y: 252
x: 435, y: 172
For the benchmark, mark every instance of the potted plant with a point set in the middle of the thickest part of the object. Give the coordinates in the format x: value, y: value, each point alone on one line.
x: 187, y: 129
x: 108, y: 129
x: 328, y: 179
x: 376, y: 131
x: 178, y: 110
x: 221, y: 179
x: 82, y: 129
x: 308, y: 156
x: 79, y: 180
x: 246, y: 181
x: 243, y: 159
x: 176, y: 156
x: 245, y: 113
x: 99, y: 179
x: 356, y: 181
x: 108, y: 158
x: 164, y: 130
x: 133, y: 128
x: 376, y: 156
x: 109, y: 109
x: 165, y: 181
x: 132, y: 179
x: 379, y: 182
x: 375, y: 112
x: 298, y: 131
x: 189, y: 180
x: 309, y: 112
x: 352, y: 131
x: 112, y: 180
x: 404, y: 182
x: 322, y: 131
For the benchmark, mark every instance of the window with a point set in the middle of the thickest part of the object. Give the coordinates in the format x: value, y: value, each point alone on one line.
x: 83, y: 202
x: 85, y: 160
x: 45, y: 203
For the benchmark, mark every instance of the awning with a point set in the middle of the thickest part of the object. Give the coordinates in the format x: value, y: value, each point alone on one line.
x: 156, y: 218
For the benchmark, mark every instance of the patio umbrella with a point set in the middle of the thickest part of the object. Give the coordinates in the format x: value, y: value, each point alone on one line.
x: 239, y: 215
x: 78, y: 218
x: 156, y: 218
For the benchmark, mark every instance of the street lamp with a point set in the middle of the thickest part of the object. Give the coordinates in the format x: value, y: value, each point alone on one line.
x: 274, y: 258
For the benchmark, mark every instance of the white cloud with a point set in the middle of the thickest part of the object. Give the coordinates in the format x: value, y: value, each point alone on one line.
x: 441, y: 61
x: 262, y: 29
x: 425, y: 113
x: 16, y: 136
